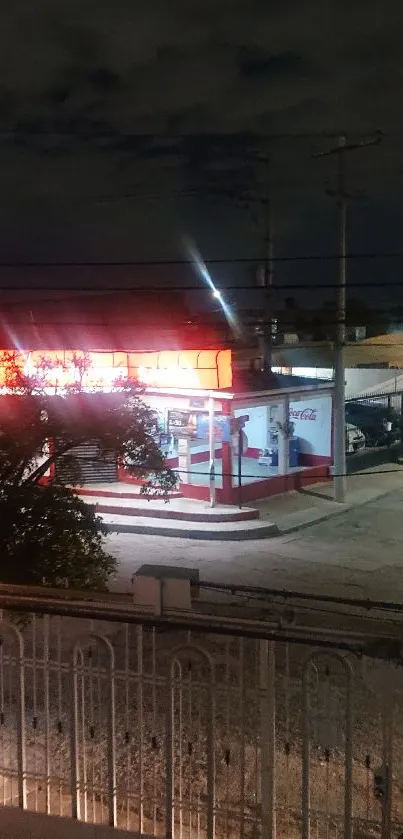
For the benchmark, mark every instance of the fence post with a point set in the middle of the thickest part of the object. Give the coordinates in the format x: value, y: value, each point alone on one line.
x: 387, y: 755
x: 267, y: 668
x: 21, y: 746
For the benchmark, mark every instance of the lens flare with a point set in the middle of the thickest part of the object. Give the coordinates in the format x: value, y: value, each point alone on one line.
x: 204, y: 273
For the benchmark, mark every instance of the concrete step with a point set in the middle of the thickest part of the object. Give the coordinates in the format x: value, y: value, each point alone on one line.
x: 179, y: 510
x: 217, y: 531
x: 127, y: 491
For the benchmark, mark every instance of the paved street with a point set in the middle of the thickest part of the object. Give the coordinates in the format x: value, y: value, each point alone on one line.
x: 359, y: 553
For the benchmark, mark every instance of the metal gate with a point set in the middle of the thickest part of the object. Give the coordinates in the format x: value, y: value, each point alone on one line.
x: 383, y: 399
x: 88, y: 464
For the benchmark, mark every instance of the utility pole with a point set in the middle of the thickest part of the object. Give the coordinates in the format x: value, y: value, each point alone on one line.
x: 339, y: 479
x: 265, y: 278
x: 268, y: 273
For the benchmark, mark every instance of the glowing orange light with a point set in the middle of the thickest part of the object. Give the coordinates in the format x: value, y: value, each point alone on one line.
x: 190, y: 369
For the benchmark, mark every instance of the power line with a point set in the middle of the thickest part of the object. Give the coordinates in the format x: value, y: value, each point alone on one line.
x: 142, y: 263
x: 238, y: 200
x: 153, y: 289
x: 356, y: 344
x: 193, y: 324
x: 88, y: 131
x: 199, y: 319
x: 287, y: 594
x: 256, y: 596
x: 326, y: 474
x: 310, y: 609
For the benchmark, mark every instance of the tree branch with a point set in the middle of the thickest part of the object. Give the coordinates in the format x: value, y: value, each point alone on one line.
x: 40, y: 470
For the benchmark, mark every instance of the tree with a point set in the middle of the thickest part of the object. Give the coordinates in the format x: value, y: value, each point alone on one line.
x: 48, y: 535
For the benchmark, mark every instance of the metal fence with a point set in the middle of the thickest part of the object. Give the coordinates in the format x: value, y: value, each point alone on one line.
x: 199, y: 732
x: 388, y: 401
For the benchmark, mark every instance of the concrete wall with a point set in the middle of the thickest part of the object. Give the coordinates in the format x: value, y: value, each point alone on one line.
x: 312, y: 420
x: 19, y: 824
x: 257, y: 428
x: 360, y: 381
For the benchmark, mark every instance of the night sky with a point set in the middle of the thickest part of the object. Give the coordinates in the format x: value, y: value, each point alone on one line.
x: 128, y: 125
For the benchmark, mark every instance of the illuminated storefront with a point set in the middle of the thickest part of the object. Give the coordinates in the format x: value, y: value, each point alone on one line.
x: 190, y: 369
x: 229, y: 444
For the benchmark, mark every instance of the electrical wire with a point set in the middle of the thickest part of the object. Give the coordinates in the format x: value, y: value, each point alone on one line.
x: 88, y: 130
x: 154, y: 289
x: 253, y: 595
x: 215, y: 328
x: 326, y: 475
x: 141, y: 263
x: 192, y: 322
x: 257, y: 592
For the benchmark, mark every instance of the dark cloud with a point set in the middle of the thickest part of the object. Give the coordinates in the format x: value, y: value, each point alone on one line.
x: 90, y: 89
x: 162, y: 59
x: 271, y: 67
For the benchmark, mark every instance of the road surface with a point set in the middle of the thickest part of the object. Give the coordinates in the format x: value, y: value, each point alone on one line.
x: 359, y: 553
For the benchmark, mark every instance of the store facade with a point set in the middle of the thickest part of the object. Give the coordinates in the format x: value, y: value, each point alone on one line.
x: 228, y: 444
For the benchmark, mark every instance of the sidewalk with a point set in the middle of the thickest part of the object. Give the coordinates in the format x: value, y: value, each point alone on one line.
x: 297, y: 510
x: 278, y: 515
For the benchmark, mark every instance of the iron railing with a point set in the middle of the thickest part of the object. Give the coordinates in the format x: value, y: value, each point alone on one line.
x: 382, y: 399
x: 193, y: 726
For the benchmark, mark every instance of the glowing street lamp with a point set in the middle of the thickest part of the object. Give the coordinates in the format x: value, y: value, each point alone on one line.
x: 205, y: 274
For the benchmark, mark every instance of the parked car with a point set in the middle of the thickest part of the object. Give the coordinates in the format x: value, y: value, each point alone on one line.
x: 355, y: 439
x: 379, y: 424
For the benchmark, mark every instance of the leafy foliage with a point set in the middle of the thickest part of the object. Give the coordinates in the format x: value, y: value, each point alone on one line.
x: 47, y: 534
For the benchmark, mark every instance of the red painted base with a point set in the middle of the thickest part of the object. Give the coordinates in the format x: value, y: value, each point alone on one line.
x: 275, y: 485
x: 279, y: 484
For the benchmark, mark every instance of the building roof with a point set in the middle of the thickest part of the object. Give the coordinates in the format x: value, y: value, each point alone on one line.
x: 255, y: 381
x: 381, y: 350
x: 311, y: 354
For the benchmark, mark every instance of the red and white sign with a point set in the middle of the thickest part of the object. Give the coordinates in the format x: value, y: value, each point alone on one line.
x: 304, y: 414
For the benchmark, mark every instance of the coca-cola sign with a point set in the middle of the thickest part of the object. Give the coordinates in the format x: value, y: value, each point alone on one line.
x: 304, y: 414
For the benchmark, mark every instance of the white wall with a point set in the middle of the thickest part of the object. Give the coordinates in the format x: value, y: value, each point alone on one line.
x: 315, y: 434
x: 359, y: 381
x: 257, y: 428
x: 313, y: 372
x: 312, y: 420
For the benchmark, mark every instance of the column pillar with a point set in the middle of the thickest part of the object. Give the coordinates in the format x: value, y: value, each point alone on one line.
x: 227, y: 458
x: 184, y: 460
x: 283, y: 439
x: 211, y: 435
